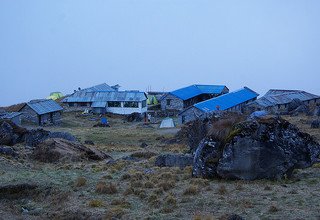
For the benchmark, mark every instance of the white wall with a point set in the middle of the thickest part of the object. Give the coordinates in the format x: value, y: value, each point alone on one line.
x: 126, y: 111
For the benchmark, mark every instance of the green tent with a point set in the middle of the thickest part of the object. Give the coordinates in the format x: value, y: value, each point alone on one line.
x: 55, y: 95
x: 152, y: 100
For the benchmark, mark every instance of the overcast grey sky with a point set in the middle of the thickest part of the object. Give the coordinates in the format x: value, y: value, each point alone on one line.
x: 60, y: 45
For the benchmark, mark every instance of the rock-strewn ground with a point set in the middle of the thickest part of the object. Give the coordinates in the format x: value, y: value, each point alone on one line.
x: 137, y: 189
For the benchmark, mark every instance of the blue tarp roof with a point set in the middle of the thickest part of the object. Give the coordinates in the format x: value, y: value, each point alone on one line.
x: 195, y: 90
x: 227, y: 101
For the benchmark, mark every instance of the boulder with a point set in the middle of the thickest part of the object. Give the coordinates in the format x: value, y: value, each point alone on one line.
x: 134, y: 117
x: 63, y: 135
x: 269, y: 148
x: 54, y: 150
x: 10, y: 134
x: 315, y: 124
x: 174, y: 160
x: 35, y: 136
x: 88, y: 142
x: 205, y: 160
x: 317, y: 111
x: 9, y: 151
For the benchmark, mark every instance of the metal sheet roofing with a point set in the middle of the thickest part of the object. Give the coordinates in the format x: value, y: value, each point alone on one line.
x: 9, y: 115
x: 83, y: 96
x: 279, y: 97
x: 44, y: 106
x: 99, y: 104
x: 195, y: 90
x: 227, y: 101
x: 100, y: 87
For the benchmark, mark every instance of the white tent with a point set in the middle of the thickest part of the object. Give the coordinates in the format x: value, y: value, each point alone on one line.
x: 167, y: 123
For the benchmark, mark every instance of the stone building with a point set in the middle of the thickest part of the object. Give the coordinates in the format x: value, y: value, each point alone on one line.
x: 101, y: 102
x: 183, y: 98
x: 278, y: 100
x: 44, y: 111
x: 233, y: 101
x: 15, y: 117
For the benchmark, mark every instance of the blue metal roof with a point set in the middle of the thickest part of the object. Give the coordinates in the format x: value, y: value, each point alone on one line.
x: 44, y: 106
x: 227, y: 101
x: 83, y: 96
x: 195, y: 90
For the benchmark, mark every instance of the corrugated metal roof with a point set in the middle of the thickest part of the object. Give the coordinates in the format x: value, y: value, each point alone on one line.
x: 9, y: 115
x: 99, y: 104
x: 44, y: 106
x: 280, y: 97
x: 228, y: 100
x: 100, y: 87
x: 195, y: 90
x: 83, y: 96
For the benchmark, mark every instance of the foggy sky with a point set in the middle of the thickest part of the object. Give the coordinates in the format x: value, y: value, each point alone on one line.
x: 60, y: 45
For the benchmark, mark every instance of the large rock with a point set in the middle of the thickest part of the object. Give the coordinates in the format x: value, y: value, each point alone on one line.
x: 55, y: 150
x: 35, y: 136
x: 205, y: 160
x: 174, y: 160
x: 9, y: 151
x: 264, y: 149
x: 10, y: 134
x: 315, y: 124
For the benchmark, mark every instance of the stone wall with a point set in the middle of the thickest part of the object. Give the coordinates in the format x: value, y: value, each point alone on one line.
x: 175, y: 103
x: 29, y: 114
x: 189, y: 114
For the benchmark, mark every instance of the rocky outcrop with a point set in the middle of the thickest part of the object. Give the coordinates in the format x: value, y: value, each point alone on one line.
x: 61, y: 150
x: 8, y: 151
x: 10, y: 134
x: 34, y: 137
x: 264, y: 149
x: 174, y: 160
x: 315, y: 124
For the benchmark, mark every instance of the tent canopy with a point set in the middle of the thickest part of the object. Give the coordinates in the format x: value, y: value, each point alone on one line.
x: 152, y: 100
x: 55, y: 95
x: 167, y: 123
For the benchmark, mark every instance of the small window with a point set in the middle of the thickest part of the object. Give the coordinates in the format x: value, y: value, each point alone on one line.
x: 168, y: 101
x: 131, y: 104
x: 71, y: 104
x: 83, y: 104
x: 144, y: 104
x: 114, y: 104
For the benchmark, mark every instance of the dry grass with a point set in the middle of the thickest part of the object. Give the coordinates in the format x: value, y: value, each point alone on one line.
x: 166, y: 185
x: 191, y: 190
x: 121, y: 202
x: 222, y: 190
x: 80, y: 181
x: 143, y: 190
x: 96, y: 203
x: 104, y: 188
x: 274, y: 208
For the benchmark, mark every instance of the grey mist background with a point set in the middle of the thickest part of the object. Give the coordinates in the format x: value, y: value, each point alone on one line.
x: 60, y: 45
